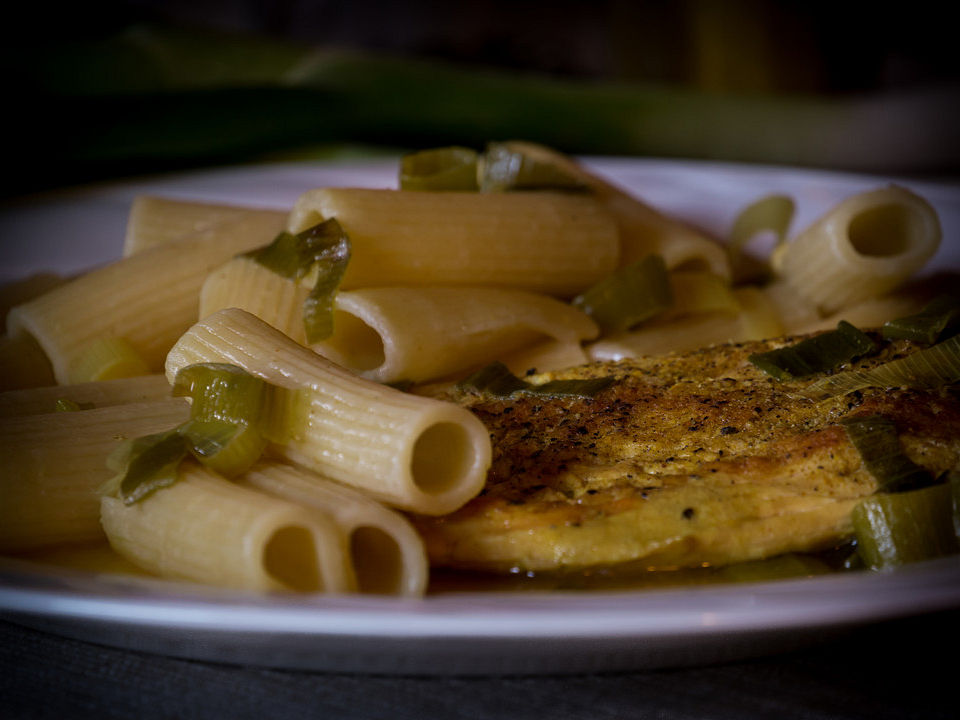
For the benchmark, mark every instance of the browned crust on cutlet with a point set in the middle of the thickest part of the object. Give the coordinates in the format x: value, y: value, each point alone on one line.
x: 686, y: 459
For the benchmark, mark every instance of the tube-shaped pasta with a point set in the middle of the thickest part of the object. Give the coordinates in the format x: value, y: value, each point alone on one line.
x: 545, y: 356
x: 795, y: 312
x: 420, y: 334
x: 863, y: 248
x: 243, y: 283
x: 20, y: 291
x: 756, y: 320
x: 643, y: 230
x: 157, y: 220
x: 124, y: 391
x: 207, y: 529
x: 54, y: 463
x: 386, y: 553
x: 402, y: 333
x: 872, y: 313
x: 149, y: 299
x: 555, y: 243
x: 408, y: 451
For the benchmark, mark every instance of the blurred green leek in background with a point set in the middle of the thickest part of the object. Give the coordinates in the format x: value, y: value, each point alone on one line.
x: 151, y: 98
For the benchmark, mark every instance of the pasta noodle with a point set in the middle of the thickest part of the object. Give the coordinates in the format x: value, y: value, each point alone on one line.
x: 54, y: 463
x: 547, y: 242
x: 863, y: 248
x: 413, y: 334
x: 408, y: 451
x: 148, y: 299
x: 123, y: 391
x: 207, y: 529
x: 386, y: 553
x: 755, y: 320
x: 156, y: 221
x: 643, y: 230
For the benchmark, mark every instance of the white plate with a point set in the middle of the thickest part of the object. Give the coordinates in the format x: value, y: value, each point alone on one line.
x: 456, y: 632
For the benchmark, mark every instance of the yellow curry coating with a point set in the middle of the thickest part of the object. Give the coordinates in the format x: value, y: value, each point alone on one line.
x: 687, y: 459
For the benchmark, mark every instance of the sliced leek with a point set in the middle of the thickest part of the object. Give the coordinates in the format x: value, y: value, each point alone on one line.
x: 938, y: 320
x: 876, y: 439
x: 504, y: 167
x: 233, y: 415
x: 931, y: 367
x: 816, y: 354
x: 897, y: 528
x: 497, y: 380
x: 628, y: 296
x: 318, y: 255
x: 447, y: 168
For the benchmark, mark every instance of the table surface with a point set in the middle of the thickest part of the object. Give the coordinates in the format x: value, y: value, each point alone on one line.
x: 896, y: 669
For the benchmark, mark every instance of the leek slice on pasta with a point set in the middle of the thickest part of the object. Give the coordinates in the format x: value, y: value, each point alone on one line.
x: 503, y: 168
x: 228, y: 430
x: 411, y: 452
x: 321, y: 252
x: 628, y: 296
x: 447, y: 168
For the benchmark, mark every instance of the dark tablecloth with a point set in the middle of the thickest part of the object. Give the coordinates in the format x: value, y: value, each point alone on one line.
x: 898, y: 669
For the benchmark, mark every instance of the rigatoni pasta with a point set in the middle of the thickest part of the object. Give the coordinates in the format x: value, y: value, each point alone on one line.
x: 386, y: 554
x: 207, y: 529
x: 392, y: 334
x: 547, y: 242
x: 642, y: 229
x: 149, y: 299
x: 122, y: 391
x: 411, y: 452
x: 158, y: 220
x: 863, y: 248
x: 54, y: 463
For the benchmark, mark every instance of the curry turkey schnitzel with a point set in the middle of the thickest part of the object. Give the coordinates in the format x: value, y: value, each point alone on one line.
x: 684, y: 460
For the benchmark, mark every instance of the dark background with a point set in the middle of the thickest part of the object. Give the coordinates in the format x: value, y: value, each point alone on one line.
x: 102, y: 89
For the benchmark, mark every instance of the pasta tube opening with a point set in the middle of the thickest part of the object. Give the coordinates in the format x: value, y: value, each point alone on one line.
x: 377, y: 561
x: 865, y: 247
x: 355, y: 431
x: 290, y: 557
x: 355, y: 344
x: 884, y: 231
x: 441, y: 457
x: 384, y: 552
